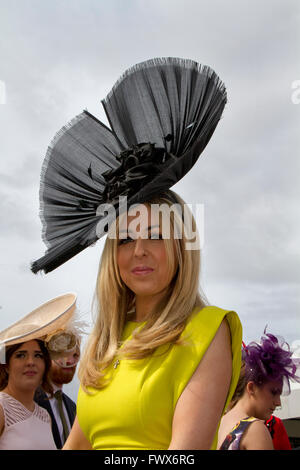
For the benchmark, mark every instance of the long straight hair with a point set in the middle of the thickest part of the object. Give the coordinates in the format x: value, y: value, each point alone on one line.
x: 113, y: 299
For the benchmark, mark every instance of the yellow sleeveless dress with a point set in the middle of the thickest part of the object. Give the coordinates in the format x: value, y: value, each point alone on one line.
x: 135, y: 410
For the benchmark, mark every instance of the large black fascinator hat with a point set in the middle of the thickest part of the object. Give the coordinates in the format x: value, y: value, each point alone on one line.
x: 162, y: 114
x: 271, y: 359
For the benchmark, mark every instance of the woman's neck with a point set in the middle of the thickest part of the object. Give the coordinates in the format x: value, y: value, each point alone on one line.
x: 144, y: 306
x: 23, y: 396
x: 141, y: 311
x: 244, y: 407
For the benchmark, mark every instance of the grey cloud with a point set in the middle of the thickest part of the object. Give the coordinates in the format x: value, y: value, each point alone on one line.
x: 17, y: 219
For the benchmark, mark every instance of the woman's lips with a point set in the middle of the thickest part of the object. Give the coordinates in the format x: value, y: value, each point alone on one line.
x: 142, y: 270
x: 30, y: 373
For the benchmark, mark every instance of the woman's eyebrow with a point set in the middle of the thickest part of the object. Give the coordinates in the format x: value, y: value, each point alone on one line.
x: 26, y: 350
x: 131, y: 231
x: 150, y: 227
x: 277, y: 390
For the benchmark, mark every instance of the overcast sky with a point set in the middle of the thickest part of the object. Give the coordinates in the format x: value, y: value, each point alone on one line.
x: 59, y: 57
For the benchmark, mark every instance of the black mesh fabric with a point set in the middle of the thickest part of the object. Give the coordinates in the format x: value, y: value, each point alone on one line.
x: 173, y: 103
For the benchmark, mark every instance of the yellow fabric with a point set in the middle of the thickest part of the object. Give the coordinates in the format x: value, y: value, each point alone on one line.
x: 135, y: 410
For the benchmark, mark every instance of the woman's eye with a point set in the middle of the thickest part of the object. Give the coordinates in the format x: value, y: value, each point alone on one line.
x: 123, y: 241
x: 40, y: 355
x: 18, y: 355
x: 156, y: 236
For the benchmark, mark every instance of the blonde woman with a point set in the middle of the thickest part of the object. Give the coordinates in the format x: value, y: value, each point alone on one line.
x: 160, y: 365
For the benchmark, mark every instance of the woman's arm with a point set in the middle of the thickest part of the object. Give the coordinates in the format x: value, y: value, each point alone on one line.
x: 200, y: 406
x: 76, y: 439
x: 2, y: 420
x: 257, y: 437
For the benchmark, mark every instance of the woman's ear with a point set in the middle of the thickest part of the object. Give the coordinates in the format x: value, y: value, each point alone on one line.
x: 251, y: 388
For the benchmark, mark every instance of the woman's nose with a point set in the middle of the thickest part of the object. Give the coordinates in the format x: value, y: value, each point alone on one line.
x: 278, y: 401
x: 30, y: 359
x: 140, y: 247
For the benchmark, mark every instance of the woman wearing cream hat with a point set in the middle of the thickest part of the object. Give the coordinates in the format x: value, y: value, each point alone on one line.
x: 26, y: 350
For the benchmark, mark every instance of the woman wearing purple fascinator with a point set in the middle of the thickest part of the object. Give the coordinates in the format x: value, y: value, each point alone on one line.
x: 267, y: 368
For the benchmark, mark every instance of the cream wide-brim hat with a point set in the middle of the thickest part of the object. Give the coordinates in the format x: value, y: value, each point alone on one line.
x: 46, y: 319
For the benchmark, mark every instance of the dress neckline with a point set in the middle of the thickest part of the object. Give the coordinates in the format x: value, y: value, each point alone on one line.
x: 21, y: 404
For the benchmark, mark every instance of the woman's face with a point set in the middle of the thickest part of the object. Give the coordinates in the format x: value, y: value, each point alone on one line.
x: 267, y: 398
x: 142, y: 260
x: 26, y: 366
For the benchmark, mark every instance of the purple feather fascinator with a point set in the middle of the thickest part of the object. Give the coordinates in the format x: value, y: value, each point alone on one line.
x: 270, y: 360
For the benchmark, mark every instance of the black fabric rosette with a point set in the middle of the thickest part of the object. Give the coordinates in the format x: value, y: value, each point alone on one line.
x: 138, y: 166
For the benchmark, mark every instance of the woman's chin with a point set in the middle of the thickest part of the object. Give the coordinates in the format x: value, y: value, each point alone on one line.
x: 30, y: 385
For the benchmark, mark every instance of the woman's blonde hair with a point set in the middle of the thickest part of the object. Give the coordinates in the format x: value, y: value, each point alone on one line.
x: 113, y: 299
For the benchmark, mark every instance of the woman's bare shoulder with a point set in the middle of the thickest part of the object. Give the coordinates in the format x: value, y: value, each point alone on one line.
x: 257, y: 437
x: 2, y: 420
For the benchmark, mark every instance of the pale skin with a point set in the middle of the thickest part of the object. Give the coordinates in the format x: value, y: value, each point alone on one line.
x: 199, y: 408
x: 259, y: 402
x: 25, y: 372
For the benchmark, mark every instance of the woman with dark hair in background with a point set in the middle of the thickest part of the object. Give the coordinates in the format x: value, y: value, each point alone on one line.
x: 28, y: 346
x: 267, y: 367
x: 24, y: 424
